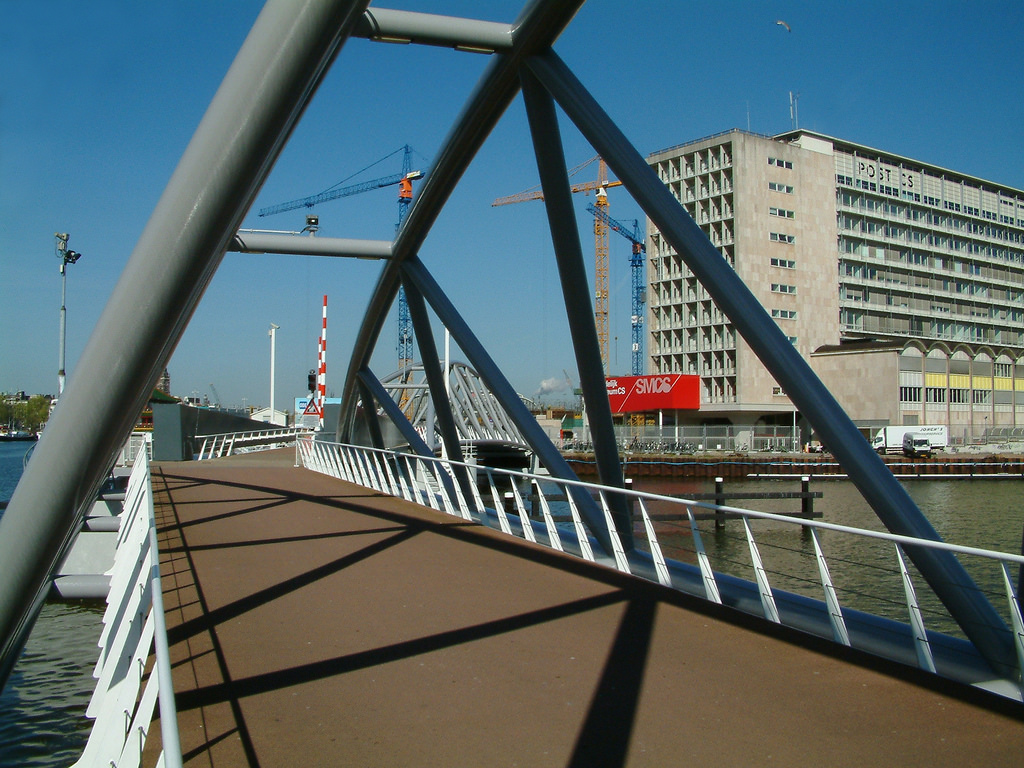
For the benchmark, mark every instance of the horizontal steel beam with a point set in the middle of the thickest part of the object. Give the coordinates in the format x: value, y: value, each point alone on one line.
x: 303, y: 245
x: 388, y: 26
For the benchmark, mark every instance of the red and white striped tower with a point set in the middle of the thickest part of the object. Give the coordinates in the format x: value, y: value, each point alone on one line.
x: 321, y: 375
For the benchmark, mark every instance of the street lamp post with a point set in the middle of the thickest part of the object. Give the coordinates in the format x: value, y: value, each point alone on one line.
x: 66, y: 257
x: 273, y: 345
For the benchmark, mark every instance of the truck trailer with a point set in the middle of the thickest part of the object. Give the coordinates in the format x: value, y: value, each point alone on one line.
x: 890, y: 439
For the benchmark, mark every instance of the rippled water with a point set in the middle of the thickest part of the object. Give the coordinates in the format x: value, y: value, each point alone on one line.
x: 42, y: 707
x: 984, y: 513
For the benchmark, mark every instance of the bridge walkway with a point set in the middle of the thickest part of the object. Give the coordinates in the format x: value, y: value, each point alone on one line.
x: 313, y: 622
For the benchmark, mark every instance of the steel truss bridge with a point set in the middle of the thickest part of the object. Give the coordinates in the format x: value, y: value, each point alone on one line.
x: 481, y: 423
x: 262, y: 98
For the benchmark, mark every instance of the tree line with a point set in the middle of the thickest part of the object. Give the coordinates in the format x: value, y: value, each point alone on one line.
x: 26, y: 415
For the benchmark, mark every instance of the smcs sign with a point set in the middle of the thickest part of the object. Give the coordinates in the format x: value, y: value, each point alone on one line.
x: 674, y: 391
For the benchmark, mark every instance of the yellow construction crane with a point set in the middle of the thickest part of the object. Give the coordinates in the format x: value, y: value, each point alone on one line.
x: 599, y: 187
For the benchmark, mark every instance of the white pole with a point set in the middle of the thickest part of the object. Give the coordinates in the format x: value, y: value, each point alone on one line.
x: 273, y: 345
x: 447, y: 379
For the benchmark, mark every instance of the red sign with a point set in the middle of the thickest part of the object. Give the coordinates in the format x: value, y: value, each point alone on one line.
x: 667, y: 391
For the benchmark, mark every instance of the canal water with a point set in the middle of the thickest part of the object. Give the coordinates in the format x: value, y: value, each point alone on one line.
x: 42, y: 707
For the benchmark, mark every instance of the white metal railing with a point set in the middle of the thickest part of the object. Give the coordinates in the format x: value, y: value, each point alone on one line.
x: 133, y: 625
x: 137, y: 442
x: 429, y: 481
x: 227, y: 443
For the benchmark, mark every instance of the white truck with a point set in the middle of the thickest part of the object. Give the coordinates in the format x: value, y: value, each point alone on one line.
x: 890, y: 439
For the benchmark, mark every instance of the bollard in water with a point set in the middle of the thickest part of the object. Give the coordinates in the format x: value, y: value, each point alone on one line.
x: 806, y: 502
x: 719, y: 501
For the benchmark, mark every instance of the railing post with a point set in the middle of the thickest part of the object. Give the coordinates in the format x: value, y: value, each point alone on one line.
x: 1020, y: 576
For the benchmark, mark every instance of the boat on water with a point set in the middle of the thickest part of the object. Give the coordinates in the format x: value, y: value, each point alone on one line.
x: 17, y: 435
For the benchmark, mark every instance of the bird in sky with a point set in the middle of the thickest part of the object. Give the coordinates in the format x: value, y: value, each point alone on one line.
x: 781, y: 23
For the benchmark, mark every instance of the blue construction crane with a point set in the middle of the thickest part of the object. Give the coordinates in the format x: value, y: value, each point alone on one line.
x: 407, y: 175
x: 636, y: 268
x: 404, y: 181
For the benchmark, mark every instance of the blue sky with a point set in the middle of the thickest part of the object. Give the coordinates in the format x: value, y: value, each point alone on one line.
x: 98, y: 100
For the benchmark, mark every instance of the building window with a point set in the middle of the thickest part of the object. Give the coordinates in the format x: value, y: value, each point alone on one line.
x: 982, y: 396
x: 959, y: 396
x: 783, y: 288
x: 783, y: 263
x: 784, y: 314
x: 780, y: 237
x: 778, y: 392
x: 782, y: 213
x: 780, y: 163
x: 935, y: 394
x: 774, y: 186
x: 910, y: 394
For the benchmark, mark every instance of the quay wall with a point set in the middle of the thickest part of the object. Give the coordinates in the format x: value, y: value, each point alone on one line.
x: 737, y: 465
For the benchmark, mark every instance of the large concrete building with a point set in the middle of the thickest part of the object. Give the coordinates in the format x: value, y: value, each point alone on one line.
x: 901, y: 282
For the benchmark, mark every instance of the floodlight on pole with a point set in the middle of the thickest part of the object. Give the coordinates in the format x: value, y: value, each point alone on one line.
x: 66, y: 257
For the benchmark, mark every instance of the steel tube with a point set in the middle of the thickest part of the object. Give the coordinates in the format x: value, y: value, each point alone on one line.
x: 537, y: 27
x: 301, y: 245
x: 390, y: 26
x: 499, y: 386
x: 554, y: 179
x: 880, y: 489
x: 432, y: 370
x: 254, y: 111
x: 377, y: 391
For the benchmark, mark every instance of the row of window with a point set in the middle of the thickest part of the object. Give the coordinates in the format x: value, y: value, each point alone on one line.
x: 936, y: 202
x: 782, y: 213
x: 781, y: 237
x: 775, y: 186
x: 784, y: 314
x: 783, y: 263
x: 783, y: 288
x: 942, y: 395
x: 780, y: 163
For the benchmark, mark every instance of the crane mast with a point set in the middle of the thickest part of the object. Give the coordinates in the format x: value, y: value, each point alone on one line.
x: 601, y: 277
x: 600, y: 187
x: 405, y: 334
x: 404, y: 181
x: 636, y: 268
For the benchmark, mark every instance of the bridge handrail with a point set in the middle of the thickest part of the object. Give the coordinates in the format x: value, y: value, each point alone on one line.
x: 751, y: 513
x: 134, y: 626
x: 224, y: 443
x: 423, y: 479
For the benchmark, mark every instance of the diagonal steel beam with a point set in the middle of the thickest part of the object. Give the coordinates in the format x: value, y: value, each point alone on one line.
x: 538, y: 26
x: 890, y: 501
x: 254, y: 111
x: 393, y: 412
x: 547, y: 146
x: 432, y: 371
x: 503, y: 391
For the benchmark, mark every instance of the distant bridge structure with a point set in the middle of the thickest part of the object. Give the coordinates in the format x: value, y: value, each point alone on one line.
x: 261, y: 100
x: 482, y: 426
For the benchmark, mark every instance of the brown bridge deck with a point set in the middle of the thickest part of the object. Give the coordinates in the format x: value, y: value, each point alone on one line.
x: 313, y: 622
